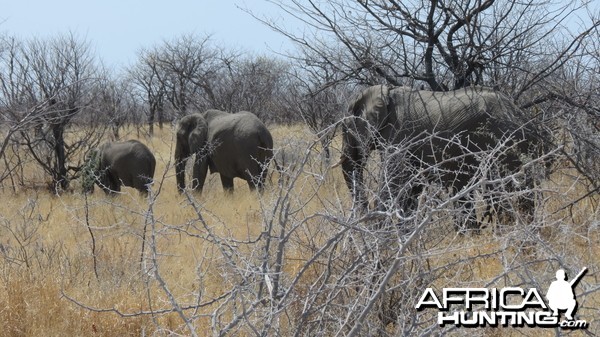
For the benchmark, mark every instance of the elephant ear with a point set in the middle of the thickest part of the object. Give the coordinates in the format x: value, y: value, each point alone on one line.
x: 372, y: 105
x: 90, y: 170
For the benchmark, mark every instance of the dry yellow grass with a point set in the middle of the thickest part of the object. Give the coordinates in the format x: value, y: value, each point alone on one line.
x: 46, y: 248
x: 48, y: 235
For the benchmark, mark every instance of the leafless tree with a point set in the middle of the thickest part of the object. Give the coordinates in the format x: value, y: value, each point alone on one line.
x: 115, y: 103
x: 46, y: 82
x: 16, y: 111
x: 315, y: 95
x: 251, y: 83
x: 445, y: 45
x: 145, y: 76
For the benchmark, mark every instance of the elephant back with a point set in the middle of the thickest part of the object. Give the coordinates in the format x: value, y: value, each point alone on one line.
x: 240, y: 142
x: 417, y: 111
x: 243, y: 124
x: 130, y: 151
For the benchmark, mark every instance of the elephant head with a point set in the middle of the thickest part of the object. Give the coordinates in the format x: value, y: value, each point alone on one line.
x: 360, y: 131
x: 192, y: 137
x: 116, y: 164
x: 90, y: 171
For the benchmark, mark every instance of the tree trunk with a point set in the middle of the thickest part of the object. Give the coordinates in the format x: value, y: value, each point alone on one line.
x: 60, y: 180
x: 151, y: 120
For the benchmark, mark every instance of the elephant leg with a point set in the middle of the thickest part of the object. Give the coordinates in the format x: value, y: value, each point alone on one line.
x: 143, y: 186
x: 393, y: 184
x: 410, y: 203
x: 227, y: 183
x: 115, y: 184
x: 526, y: 207
x: 252, y: 186
x: 199, y: 174
x: 526, y: 202
x: 106, y: 182
x: 495, y: 206
x: 467, y: 218
x: 256, y: 179
x: 180, y: 175
x: 107, y: 190
x: 110, y: 183
x: 143, y: 189
x: 252, y: 180
x: 508, y: 210
x: 401, y: 187
x: 488, y: 214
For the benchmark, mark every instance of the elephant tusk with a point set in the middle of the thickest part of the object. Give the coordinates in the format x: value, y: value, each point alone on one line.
x: 340, y: 162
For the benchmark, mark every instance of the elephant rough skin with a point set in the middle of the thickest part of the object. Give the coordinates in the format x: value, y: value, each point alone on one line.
x: 235, y: 145
x: 476, y: 119
x: 128, y: 163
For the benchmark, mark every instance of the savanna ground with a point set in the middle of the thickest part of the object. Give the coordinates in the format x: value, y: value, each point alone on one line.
x: 181, y: 264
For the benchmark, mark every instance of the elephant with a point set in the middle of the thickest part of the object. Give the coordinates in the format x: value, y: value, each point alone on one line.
x: 115, y: 164
x: 442, y: 131
x: 235, y: 145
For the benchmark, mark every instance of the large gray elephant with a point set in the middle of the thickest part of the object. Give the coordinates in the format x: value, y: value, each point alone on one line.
x: 116, y: 164
x: 444, y: 130
x: 235, y: 145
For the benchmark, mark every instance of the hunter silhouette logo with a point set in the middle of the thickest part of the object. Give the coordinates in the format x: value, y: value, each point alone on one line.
x: 508, y: 306
x: 561, y: 295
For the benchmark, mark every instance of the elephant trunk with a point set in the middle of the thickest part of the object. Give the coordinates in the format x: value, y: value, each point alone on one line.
x: 180, y: 159
x: 356, y: 145
x: 352, y: 170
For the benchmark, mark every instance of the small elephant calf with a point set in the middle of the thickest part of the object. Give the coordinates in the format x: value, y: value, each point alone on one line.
x: 113, y: 164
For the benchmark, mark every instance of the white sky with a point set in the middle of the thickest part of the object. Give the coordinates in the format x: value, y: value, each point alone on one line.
x: 117, y: 29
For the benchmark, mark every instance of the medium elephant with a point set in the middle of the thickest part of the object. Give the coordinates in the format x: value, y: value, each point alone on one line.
x: 442, y: 131
x: 116, y: 164
x: 235, y: 145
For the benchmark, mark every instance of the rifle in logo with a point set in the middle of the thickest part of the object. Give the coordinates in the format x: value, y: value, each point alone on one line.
x: 561, y: 295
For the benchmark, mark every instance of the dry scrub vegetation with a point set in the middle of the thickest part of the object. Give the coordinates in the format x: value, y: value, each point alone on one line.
x: 293, y: 261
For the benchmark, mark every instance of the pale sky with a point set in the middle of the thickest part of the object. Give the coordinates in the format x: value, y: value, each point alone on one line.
x: 117, y: 29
